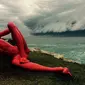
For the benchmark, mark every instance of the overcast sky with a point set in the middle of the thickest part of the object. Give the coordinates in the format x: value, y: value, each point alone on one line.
x: 43, y: 15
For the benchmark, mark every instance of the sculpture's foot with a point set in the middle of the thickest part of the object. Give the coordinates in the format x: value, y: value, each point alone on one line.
x: 23, y: 60
x: 66, y: 71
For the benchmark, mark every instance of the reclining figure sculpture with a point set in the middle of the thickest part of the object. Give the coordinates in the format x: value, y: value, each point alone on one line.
x: 20, y: 51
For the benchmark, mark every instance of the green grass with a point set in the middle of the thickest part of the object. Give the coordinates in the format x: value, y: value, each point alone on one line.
x: 12, y: 75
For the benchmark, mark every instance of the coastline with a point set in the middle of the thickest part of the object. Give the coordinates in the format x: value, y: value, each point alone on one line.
x: 56, y: 55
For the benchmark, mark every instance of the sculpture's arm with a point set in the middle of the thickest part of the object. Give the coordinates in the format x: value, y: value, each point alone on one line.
x: 4, y: 32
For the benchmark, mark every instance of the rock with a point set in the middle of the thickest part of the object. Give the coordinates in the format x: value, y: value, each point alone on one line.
x: 56, y: 55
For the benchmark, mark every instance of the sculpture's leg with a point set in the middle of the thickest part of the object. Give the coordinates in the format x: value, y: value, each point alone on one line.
x: 7, y: 31
x: 36, y: 67
x: 27, y: 50
x: 17, y: 37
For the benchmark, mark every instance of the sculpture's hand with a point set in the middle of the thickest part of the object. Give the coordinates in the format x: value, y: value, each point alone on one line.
x: 23, y: 60
x: 66, y: 71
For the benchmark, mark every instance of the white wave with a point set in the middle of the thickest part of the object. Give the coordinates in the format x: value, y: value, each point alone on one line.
x: 43, y: 45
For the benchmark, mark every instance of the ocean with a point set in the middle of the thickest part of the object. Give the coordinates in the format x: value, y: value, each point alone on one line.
x: 71, y: 47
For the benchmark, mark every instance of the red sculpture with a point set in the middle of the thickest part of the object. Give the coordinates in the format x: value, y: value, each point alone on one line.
x: 20, y: 51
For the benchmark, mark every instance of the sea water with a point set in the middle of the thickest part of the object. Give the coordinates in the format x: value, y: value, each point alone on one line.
x: 71, y: 47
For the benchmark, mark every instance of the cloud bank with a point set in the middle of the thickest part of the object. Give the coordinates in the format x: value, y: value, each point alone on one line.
x: 38, y: 16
